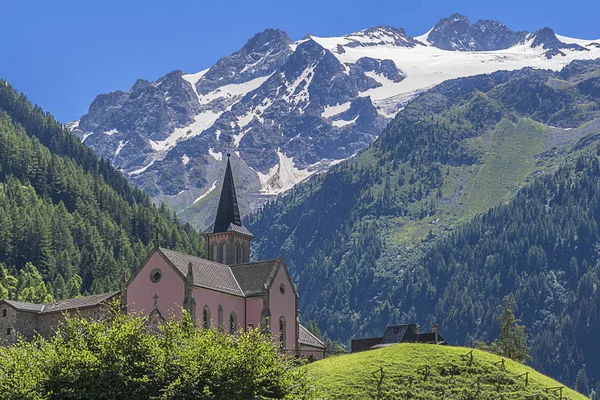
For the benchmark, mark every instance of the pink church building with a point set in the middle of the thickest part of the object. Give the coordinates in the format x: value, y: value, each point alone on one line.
x: 225, y: 290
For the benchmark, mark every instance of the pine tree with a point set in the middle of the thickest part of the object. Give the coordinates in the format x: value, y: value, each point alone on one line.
x: 512, y: 342
x: 582, y: 383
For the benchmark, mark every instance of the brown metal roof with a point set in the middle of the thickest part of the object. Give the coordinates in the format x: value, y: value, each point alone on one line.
x: 252, y: 277
x: 61, y: 305
x: 207, y: 274
x: 308, y: 339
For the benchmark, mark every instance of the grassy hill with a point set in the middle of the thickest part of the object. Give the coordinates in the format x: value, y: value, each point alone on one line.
x: 356, y: 376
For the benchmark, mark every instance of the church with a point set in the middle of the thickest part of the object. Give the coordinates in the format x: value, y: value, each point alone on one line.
x: 224, y: 290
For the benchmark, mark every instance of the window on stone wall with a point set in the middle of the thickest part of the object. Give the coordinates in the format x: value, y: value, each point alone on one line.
x: 8, y: 331
x: 282, y: 333
x: 220, y: 317
x: 232, y: 322
x: 206, y: 317
x: 238, y: 253
x: 215, y: 252
x: 4, y: 312
x: 223, y: 253
x: 243, y: 251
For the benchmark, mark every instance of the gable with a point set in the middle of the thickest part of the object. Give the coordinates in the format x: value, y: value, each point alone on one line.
x: 253, y: 277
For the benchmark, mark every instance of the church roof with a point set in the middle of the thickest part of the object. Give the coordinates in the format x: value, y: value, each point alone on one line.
x: 308, y: 339
x: 252, y: 277
x: 244, y: 280
x: 228, y: 213
x: 61, y: 305
x: 207, y: 274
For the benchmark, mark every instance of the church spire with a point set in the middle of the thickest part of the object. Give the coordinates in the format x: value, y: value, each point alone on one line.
x: 228, y: 212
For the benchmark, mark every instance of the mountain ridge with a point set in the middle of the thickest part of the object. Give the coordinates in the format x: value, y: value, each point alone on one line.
x: 292, y: 109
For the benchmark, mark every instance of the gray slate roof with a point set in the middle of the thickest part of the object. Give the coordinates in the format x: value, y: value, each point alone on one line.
x: 61, y: 305
x: 207, y: 274
x: 244, y: 280
x: 308, y: 339
x: 231, y: 228
x: 253, y: 276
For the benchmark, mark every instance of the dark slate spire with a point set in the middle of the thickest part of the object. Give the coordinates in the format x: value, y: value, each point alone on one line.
x: 228, y: 212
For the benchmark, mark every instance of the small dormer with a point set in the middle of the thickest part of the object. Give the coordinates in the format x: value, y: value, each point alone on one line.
x: 227, y: 241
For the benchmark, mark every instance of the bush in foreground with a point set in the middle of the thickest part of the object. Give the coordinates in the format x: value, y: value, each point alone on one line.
x: 118, y: 359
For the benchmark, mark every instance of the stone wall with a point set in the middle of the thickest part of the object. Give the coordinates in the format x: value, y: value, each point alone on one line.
x: 48, y: 322
x: 30, y: 323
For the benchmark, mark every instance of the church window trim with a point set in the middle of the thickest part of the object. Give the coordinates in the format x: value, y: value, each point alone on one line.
x: 282, y: 331
x: 156, y: 275
x: 223, y: 252
x: 215, y: 252
x: 206, y: 317
x: 232, y: 322
x: 220, y: 317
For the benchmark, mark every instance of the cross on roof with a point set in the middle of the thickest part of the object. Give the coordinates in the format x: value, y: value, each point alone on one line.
x: 230, y: 142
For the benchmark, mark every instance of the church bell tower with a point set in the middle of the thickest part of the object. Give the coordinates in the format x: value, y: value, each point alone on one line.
x: 227, y: 241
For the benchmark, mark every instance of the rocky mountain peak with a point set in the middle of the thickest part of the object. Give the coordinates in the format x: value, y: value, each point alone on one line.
x: 380, y: 35
x: 260, y: 56
x: 546, y: 39
x: 457, y: 33
x: 267, y: 39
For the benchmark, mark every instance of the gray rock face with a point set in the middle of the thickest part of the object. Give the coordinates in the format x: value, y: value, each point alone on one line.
x: 457, y: 33
x: 386, y: 68
x: 546, y: 39
x: 381, y: 35
x: 263, y: 53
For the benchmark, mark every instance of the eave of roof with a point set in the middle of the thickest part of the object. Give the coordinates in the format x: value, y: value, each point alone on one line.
x: 61, y: 305
x: 310, y: 339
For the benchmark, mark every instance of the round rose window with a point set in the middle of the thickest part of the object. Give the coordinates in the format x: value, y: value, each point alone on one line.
x: 155, y: 275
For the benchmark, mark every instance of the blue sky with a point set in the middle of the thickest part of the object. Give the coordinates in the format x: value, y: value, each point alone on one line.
x: 63, y: 53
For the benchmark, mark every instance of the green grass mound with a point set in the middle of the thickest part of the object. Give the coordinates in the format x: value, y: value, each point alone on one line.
x: 451, y: 375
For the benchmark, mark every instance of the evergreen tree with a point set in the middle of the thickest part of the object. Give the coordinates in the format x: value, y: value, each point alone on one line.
x: 582, y: 383
x: 512, y: 342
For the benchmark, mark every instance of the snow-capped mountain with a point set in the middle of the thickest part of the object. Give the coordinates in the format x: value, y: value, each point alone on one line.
x: 290, y: 109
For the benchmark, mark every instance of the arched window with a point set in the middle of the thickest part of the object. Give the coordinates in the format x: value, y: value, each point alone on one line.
x: 243, y: 255
x: 232, y: 322
x: 282, y: 333
x: 220, y: 322
x: 214, y: 252
x: 206, y: 317
x: 223, y: 253
x: 238, y: 253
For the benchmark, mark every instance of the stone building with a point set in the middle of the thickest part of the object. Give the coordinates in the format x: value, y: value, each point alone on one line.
x: 225, y: 291
x: 27, y: 319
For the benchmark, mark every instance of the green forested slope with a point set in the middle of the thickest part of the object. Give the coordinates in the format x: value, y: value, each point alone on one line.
x: 355, y: 238
x: 69, y: 222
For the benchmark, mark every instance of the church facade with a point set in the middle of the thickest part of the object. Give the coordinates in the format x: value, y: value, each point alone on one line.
x: 225, y: 290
